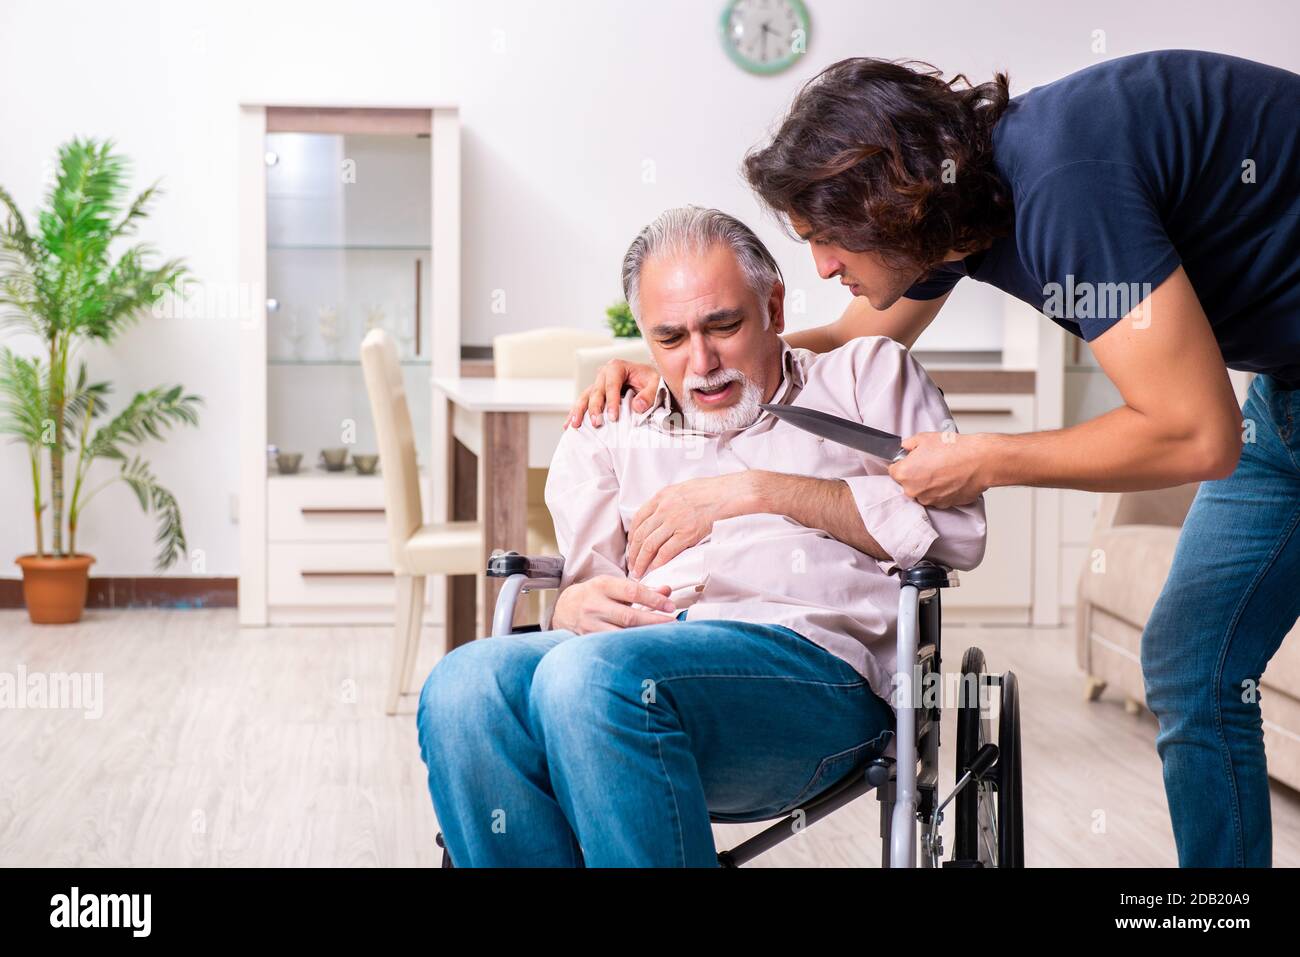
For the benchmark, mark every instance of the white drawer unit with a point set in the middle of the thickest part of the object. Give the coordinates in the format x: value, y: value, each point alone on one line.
x: 332, y: 262
x: 1000, y: 590
x: 1078, y: 515
x: 328, y: 559
x: 315, y: 508
x: 1074, y: 558
x: 330, y: 573
x: 996, y: 412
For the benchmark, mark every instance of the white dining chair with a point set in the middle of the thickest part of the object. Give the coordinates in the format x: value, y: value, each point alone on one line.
x: 419, y: 549
x: 546, y: 353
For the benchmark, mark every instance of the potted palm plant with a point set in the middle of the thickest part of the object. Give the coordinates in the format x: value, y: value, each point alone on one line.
x: 62, y: 283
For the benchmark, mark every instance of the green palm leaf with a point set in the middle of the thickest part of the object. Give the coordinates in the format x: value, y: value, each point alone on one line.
x: 24, y: 412
x: 170, y: 537
x: 145, y: 418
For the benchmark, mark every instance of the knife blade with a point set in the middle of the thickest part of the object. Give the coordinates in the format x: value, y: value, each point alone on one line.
x: 855, y: 435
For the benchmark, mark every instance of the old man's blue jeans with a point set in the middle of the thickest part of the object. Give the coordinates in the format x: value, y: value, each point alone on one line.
x: 612, y: 749
x: 1232, y: 594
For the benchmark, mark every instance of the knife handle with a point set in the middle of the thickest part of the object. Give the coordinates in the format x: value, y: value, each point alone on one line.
x: 902, y: 454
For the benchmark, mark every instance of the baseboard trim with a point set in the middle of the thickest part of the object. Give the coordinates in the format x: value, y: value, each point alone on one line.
x: 143, y: 592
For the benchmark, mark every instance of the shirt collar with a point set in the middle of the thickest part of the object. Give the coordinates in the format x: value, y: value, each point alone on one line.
x: 792, y: 373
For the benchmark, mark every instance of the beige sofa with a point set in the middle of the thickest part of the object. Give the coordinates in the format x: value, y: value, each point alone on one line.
x: 1137, y: 532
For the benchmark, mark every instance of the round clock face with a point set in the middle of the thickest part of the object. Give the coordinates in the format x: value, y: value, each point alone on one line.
x: 765, y: 36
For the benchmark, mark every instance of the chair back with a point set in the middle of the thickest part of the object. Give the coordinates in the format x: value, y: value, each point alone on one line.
x: 590, y: 359
x: 396, y: 439
x: 1161, y: 506
x: 542, y: 353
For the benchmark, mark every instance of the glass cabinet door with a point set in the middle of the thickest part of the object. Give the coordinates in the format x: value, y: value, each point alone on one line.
x: 348, y: 249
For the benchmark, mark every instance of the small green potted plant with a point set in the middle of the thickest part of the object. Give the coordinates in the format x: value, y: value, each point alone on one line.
x: 62, y: 284
x: 621, y: 322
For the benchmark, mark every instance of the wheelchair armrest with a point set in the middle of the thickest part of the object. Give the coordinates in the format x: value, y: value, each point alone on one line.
x: 522, y: 573
x: 541, y: 571
x: 925, y: 575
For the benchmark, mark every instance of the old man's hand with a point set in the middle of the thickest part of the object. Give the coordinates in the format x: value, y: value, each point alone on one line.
x: 678, y: 517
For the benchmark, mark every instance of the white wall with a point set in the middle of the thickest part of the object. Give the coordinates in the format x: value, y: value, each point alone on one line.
x: 563, y: 102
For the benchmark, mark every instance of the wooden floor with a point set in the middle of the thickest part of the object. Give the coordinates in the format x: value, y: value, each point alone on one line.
x: 221, y: 746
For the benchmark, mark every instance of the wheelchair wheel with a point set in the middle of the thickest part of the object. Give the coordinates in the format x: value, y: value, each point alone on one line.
x: 1011, y: 818
x: 989, y: 818
x: 976, y: 828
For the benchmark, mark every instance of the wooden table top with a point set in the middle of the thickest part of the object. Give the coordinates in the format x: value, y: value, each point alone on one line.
x: 480, y: 394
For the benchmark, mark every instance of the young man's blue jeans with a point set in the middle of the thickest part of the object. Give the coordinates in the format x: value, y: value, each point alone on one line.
x: 1232, y: 595
x: 613, y: 749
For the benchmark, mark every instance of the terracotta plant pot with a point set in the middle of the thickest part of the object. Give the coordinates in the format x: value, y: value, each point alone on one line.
x: 54, y: 589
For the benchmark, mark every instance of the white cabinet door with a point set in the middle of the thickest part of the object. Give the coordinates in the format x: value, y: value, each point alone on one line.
x: 1078, y: 515
x: 1001, y: 588
x: 1003, y: 582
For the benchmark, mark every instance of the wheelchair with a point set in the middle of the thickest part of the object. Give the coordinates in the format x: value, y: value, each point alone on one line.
x: 989, y: 821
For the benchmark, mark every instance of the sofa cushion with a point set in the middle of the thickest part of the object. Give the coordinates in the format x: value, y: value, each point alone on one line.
x: 1126, y: 577
x: 1137, y: 562
x: 1114, y: 654
x: 1281, y: 736
x: 1283, y: 672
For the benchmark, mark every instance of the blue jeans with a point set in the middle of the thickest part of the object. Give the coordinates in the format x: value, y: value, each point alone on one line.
x: 614, y: 749
x: 1232, y: 595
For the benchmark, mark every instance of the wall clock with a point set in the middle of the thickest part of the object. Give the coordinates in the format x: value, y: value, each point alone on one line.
x: 765, y: 36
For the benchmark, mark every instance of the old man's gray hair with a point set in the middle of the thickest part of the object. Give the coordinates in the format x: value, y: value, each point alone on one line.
x: 694, y: 229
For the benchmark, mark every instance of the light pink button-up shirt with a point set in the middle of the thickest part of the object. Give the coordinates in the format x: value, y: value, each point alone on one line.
x: 768, y: 568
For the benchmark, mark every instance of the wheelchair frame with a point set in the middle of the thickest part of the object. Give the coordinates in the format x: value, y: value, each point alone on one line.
x: 907, y: 785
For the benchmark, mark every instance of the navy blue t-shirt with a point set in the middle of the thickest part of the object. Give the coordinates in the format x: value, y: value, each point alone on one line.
x: 1125, y: 170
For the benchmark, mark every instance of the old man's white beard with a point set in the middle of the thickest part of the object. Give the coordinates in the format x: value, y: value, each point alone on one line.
x: 740, y: 414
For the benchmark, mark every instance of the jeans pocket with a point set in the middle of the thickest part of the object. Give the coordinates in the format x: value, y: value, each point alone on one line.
x: 836, y: 767
x: 1286, y: 413
x: 1279, y: 405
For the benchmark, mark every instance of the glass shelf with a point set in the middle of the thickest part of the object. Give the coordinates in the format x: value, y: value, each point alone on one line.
x: 348, y: 247
x: 348, y: 239
x: 337, y: 362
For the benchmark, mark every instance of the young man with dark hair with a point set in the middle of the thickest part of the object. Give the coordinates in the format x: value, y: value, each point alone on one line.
x: 1149, y: 205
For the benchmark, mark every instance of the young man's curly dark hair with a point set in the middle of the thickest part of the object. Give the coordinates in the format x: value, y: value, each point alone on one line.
x: 861, y: 157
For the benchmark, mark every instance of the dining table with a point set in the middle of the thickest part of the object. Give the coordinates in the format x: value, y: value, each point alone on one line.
x: 499, y: 429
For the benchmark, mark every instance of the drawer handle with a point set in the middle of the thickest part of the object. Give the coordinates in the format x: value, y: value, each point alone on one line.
x: 323, y: 510
x: 983, y: 411
x: 343, y: 573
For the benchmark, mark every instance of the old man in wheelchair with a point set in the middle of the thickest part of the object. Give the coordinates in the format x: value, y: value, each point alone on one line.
x: 722, y: 647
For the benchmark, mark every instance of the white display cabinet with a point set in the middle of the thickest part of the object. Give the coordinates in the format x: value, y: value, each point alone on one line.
x: 350, y: 221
